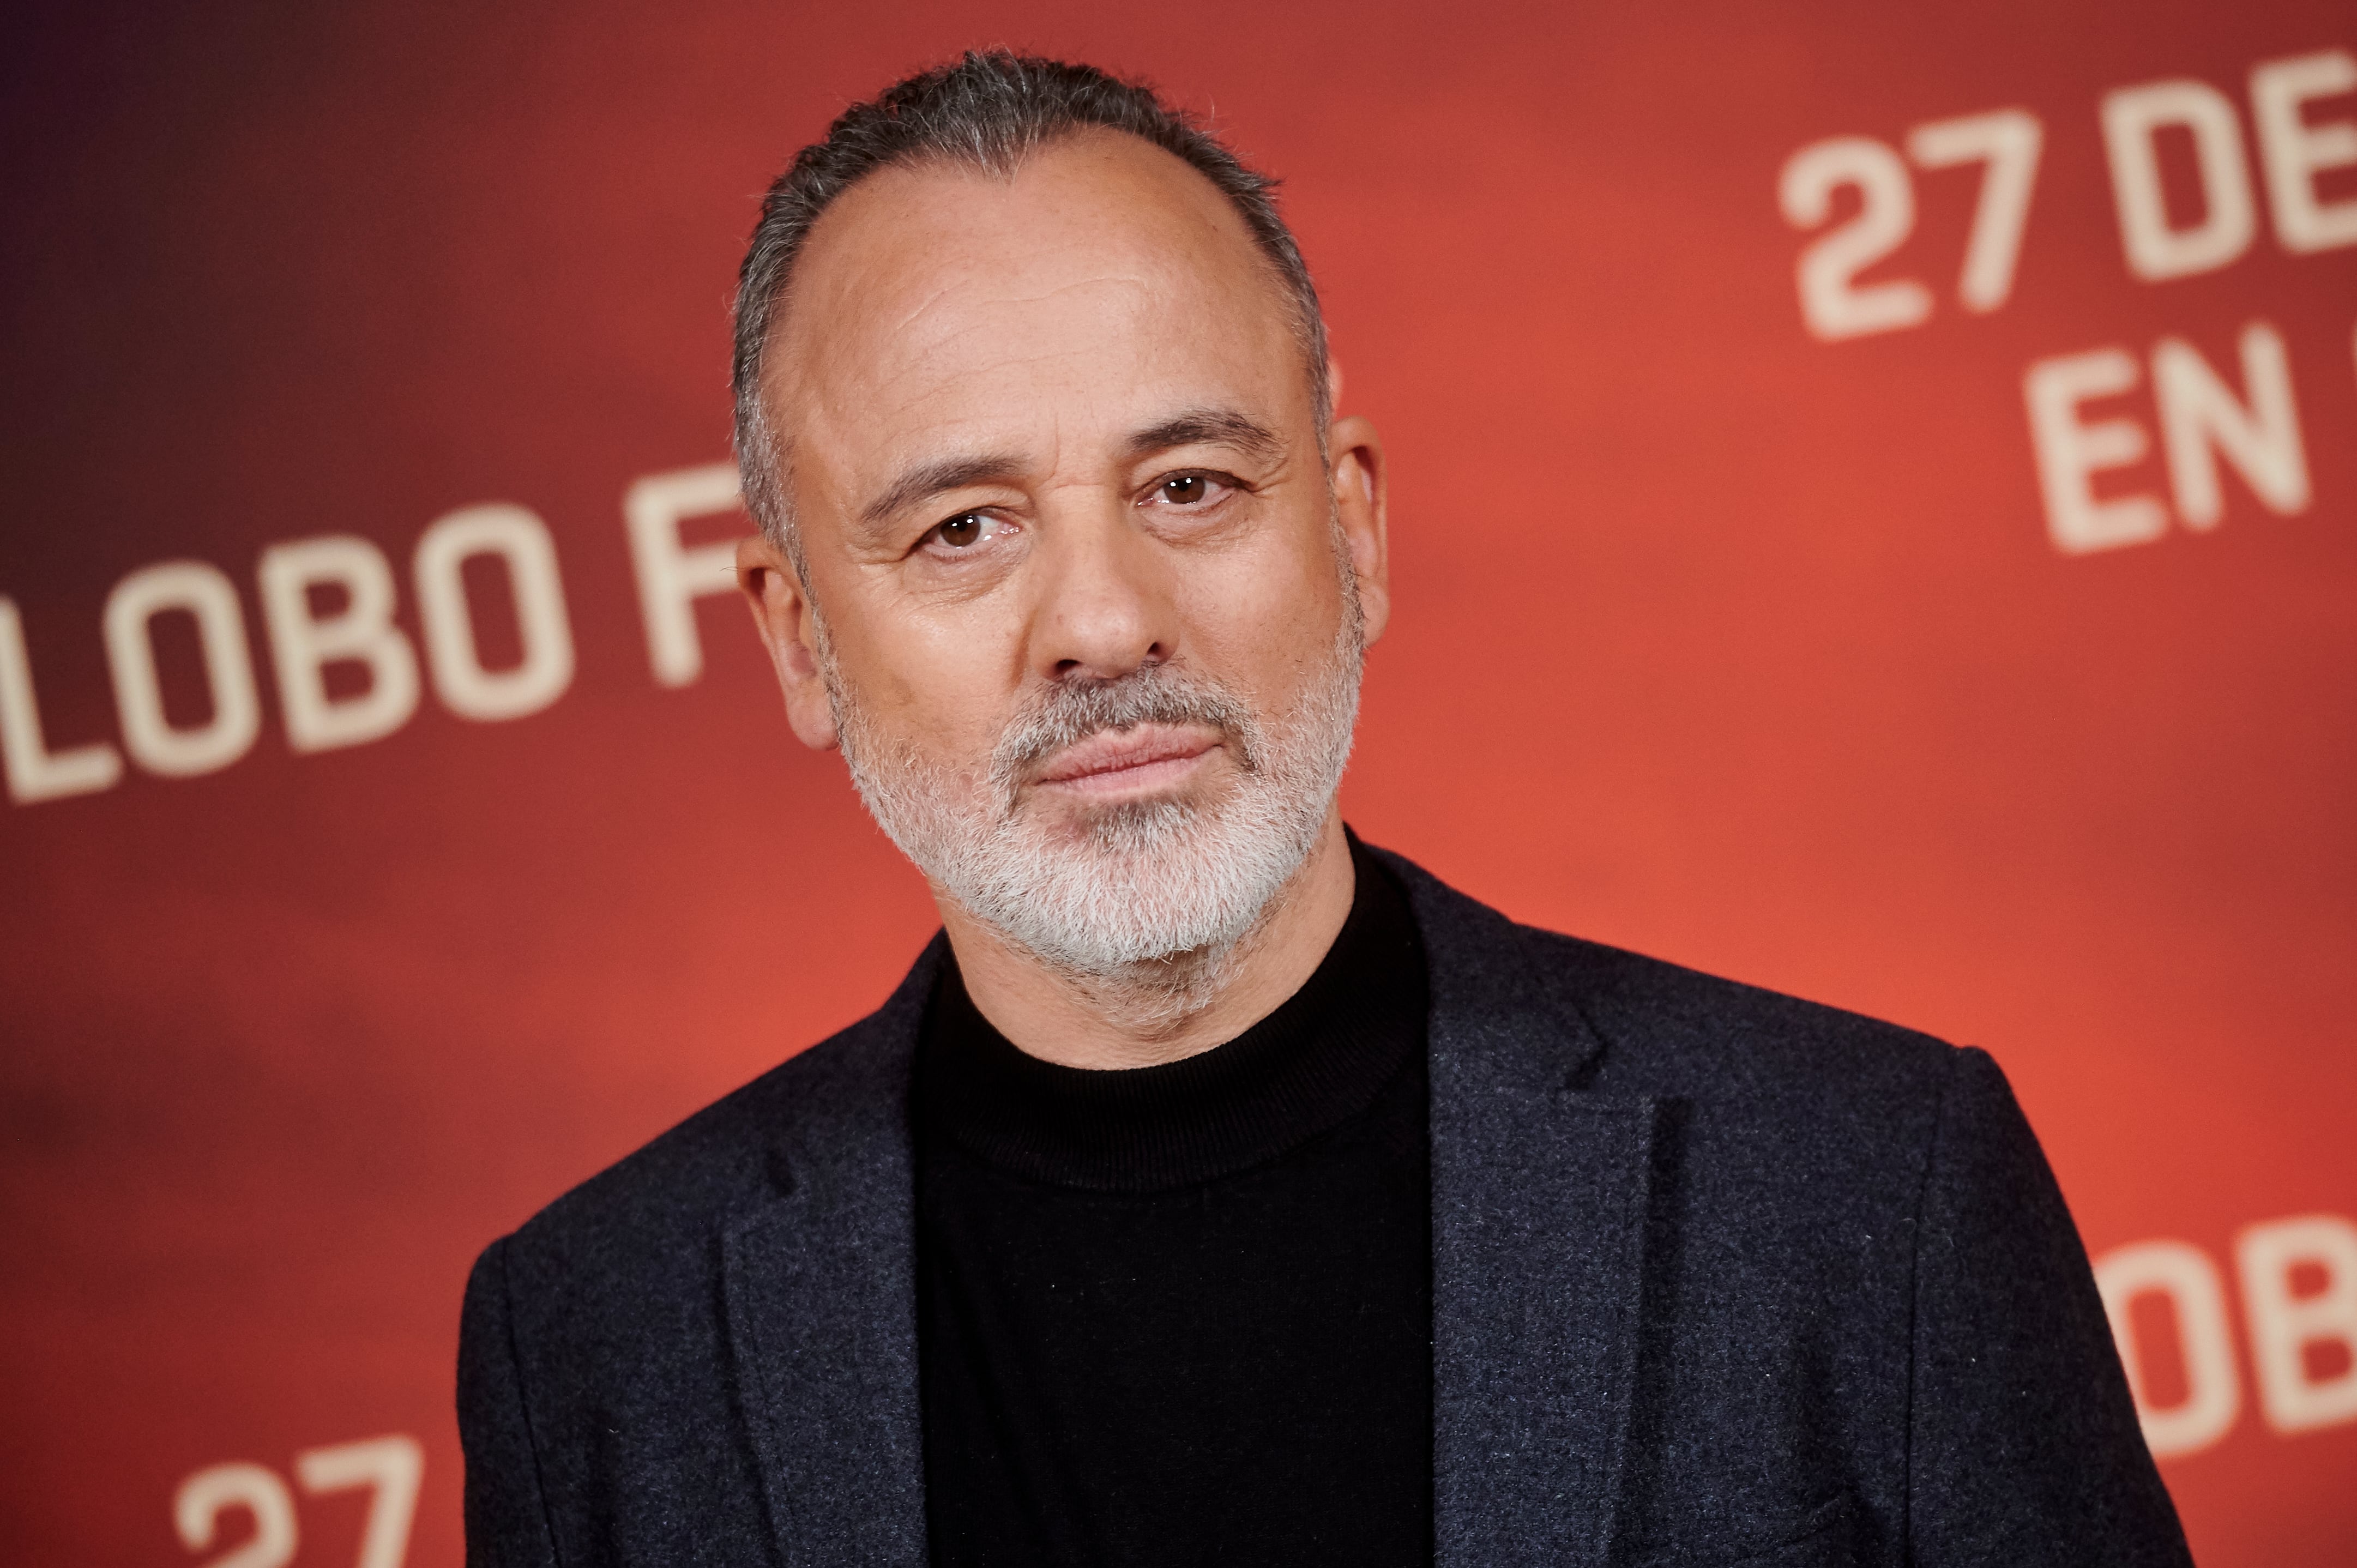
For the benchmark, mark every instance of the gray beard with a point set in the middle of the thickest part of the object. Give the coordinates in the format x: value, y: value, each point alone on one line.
x: 1146, y: 904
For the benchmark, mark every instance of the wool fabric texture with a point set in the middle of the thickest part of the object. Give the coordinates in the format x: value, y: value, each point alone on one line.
x: 1719, y: 1277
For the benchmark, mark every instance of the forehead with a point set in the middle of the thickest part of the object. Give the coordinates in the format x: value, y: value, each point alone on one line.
x: 936, y: 300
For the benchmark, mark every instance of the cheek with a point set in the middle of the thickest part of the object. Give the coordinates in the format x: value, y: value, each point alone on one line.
x: 1263, y: 619
x: 942, y: 691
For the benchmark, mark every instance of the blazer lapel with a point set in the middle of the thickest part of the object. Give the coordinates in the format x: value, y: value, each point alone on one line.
x: 821, y: 1303
x: 1539, y: 1193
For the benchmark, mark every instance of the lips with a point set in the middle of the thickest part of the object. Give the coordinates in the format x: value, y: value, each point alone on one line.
x: 1122, y: 760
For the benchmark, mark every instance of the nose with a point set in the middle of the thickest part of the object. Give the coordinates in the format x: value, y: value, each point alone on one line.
x: 1105, y: 606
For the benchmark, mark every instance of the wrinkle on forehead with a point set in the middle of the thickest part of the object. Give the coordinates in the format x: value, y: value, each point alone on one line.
x: 931, y: 284
x: 952, y: 318
x: 934, y: 301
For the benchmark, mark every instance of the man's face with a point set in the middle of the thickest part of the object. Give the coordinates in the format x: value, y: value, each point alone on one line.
x: 1084, y: 592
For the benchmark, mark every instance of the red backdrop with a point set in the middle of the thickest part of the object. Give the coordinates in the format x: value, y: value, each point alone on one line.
x: 1747, y: 615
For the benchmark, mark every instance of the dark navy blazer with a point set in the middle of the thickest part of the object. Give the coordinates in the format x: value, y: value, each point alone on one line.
x: 1719, y: 1277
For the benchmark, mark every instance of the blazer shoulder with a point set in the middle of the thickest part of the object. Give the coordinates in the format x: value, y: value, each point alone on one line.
x: 1782, y: 1107
x: 1673, y: 1029
x: 1646, y: 1026
x: 679, y: 1187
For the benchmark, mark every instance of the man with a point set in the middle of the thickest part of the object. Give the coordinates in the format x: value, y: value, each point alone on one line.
x: 1217, y: 1189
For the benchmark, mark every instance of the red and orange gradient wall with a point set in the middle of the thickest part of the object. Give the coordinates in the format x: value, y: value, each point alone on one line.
x: 1875, y: 515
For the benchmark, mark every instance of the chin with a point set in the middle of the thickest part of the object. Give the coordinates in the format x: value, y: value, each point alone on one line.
x: 1077, y: 814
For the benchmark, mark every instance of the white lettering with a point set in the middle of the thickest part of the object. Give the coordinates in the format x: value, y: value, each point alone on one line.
x: 391, y: 1468
x: 203, y: 1498
x: 2183, y: 1274
x: 2071, y: 453
x: 2293, y: 152
x: 2132, y: 117
x: 520, y: 539
x: 2201, y: 416
x: 1833, y: 303
x: 2007, y: 141
x: 2284, y: 1321
x: 147, y: 733
x: 35, y: 772
x: 671, y: 576
x: 302, y: 645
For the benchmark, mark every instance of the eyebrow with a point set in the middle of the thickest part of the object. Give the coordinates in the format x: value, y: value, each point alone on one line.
x: 934, y: 478
x: 1209, y: 427
x: 1195, y: 427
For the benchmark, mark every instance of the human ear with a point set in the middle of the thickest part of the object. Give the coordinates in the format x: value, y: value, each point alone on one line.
x: 1357, y: 454
x: 782, y: 614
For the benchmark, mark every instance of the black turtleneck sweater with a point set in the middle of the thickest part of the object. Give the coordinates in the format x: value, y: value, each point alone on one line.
x: 1183, y: 1314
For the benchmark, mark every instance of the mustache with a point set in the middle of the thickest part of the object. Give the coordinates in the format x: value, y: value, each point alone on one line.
x: 1070, y: 711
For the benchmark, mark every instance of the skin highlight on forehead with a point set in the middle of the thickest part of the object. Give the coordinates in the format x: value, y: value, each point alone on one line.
x: 933, y: 296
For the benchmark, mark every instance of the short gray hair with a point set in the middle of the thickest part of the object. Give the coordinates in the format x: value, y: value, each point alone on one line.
x: 989, y: 111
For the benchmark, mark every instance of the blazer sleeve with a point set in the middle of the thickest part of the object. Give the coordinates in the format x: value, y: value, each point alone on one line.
x: 2023, y: 1444
x: 507, y: 1521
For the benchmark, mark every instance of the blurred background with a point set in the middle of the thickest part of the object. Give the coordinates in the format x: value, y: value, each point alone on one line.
x: 1875, y: 514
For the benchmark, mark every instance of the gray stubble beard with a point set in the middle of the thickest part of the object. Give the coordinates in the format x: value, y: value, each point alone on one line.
x: 1148, y: 906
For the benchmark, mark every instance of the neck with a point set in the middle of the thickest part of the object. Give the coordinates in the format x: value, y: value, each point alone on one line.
x: 1085, y: 1022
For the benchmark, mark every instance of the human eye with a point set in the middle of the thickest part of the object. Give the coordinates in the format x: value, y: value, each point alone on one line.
x: 1190, y: 490
x: 965, y: 533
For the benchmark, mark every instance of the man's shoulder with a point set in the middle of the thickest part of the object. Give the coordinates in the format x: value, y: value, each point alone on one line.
x: 1645, y: 1025
x: 1678, y: 1028
x: 678, y: 1191
x: 1795, y: 1118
